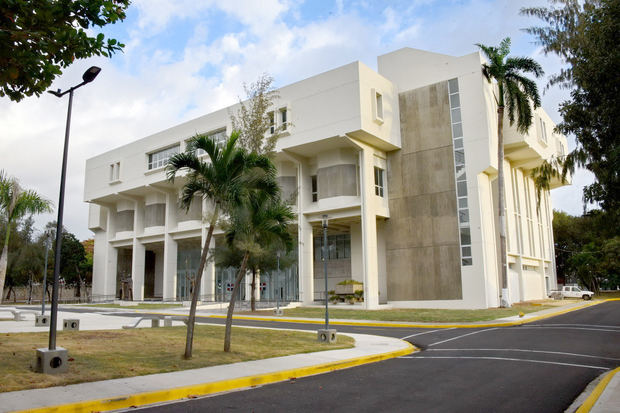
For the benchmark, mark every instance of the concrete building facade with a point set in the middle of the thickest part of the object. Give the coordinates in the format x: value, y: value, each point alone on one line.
x: 402, y: 160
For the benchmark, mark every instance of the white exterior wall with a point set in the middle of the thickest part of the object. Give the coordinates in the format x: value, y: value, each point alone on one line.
x: 333, y: 122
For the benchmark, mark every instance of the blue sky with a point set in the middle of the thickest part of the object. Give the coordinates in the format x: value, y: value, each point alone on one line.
x: 185, y: 58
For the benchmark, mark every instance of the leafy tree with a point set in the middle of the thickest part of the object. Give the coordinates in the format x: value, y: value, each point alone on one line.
x: 223, y: 177
x: 73, y: 262
x: 516, y: 93
x: 16, y: 202
x: 586, y: 35
x: 39, y: 38
x: 262, y: 220
x: 256, y: 121
x: 256, y: 117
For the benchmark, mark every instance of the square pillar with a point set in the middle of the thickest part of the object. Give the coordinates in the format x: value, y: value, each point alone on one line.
x: 170, y: 269
x: 369, y: 229
x: 137, y: 269
x: 306, y: 261
x: 207, y: 287
x: 111, y: 256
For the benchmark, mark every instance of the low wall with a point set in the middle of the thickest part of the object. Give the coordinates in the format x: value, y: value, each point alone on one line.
x: 65, y: 294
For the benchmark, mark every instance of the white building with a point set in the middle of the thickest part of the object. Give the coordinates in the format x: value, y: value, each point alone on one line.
x: 404, y: 162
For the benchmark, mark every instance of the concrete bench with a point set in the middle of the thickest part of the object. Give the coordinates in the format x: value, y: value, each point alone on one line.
x: 18, y: 315
x: 154, y: 321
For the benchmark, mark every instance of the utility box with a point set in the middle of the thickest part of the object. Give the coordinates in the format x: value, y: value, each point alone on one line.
x: 167, y: 321
x: 278, y: 311
x: 41, y: 320
x: 71, y: 324
x: 327, y: 336
x: 52, y: 361
x: 155, y: 322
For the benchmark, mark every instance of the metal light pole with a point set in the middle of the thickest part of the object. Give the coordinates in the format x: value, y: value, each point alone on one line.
x: 52, y: 360
x: 327, y: 335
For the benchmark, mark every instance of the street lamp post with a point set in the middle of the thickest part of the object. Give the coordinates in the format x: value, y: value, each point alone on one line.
x: 52, y: 359
x: 327, y: 335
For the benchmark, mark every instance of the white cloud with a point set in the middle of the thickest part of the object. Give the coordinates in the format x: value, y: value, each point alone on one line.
x: 154, y: 86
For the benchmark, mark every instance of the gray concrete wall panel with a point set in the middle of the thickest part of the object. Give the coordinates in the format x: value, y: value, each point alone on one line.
x: 422, y: 240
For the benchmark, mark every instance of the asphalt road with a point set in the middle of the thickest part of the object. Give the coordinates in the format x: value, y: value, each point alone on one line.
x: 539, y: 367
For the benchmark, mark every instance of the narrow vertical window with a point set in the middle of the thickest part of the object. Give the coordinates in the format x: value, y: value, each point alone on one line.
x: 379, y: 101
x: 115, y: 171
x: 283, y: 118
x: 272, y: 122
x: 459, y: 171
x: 315, y: 192
x: 378, y: 181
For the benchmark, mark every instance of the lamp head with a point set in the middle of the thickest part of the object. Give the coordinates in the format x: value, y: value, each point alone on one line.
x: 91, y: 74
x: 325, y: 221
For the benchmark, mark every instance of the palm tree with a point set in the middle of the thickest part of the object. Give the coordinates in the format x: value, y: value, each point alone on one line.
x: 15, y: 202
x: 224, y: 178
x: 516, y: 93
x: 262, y: 220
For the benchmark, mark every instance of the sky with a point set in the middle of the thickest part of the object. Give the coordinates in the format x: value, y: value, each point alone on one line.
x: 185, y: 58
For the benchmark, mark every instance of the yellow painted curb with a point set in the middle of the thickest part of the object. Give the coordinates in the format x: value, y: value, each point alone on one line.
x: 408, y: 325
x: 204, y: 389
x: 596, y: 393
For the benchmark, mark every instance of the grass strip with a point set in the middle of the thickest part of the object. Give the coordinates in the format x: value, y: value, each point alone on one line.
x: 111, y: 354
x: 411, y: 315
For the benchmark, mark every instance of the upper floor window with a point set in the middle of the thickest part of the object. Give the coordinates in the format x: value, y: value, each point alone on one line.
x: 219, y: 136
x: 115, y: 172
x: 272, y: 122
x: 315, y: 191
x: 543, y: 130
x: 561, y: 150
x: 379, y: 99
x: 338, y: 247
x: 160, y: 158
x: 284, y: 118
x: 379, y: 181
x: 377, y: 105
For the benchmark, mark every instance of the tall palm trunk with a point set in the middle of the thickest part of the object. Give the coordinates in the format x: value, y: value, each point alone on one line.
x: 253, y: 295
x: 4, y: 259
x: 189, y: 341
x: 504, y: 301
x: 233, y: 297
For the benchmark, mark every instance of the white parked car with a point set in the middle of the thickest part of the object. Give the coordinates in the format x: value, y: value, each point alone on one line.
x: 571, y: 291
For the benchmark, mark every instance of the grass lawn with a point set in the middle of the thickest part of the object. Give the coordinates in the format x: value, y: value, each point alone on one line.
x: 101, y: 355
x: 135, y: 307
x: 607, y: 294
x: 413, y: 315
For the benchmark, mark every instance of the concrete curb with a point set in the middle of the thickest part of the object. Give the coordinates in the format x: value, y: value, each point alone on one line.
x: 587, y: 405
x: 199, y: 390
x: 495, y: 323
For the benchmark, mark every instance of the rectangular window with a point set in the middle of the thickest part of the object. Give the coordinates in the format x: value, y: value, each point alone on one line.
x: 315, y: 191
x: 543, y: 130
x: 115, y: 171
x: 378, y: 181
x: 160, y: 158
x: 338, y: 247
x: 272, y: 122
x: 219, y: 136
x: 283, y: 118
x: 379, y: 102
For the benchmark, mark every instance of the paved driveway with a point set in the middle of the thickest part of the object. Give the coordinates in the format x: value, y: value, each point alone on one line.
x: 539, y: 367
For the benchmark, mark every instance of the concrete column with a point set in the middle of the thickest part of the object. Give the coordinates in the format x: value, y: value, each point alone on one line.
x: 207, y: 288
x: 170, y: 250
x: 369, y: 230
x: 111, y: 256
x: 137, y: 269
x: 306, y: 261
x: 170, y: 269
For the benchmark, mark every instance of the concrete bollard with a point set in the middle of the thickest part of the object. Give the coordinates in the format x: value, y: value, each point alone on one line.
x: 167, y: 321
x: 41, y: 320
x: 155, y: 322
x: 71, y: 324
x: 327, y: 336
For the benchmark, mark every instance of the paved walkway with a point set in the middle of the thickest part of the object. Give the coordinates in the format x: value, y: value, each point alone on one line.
x: 119, y: 393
